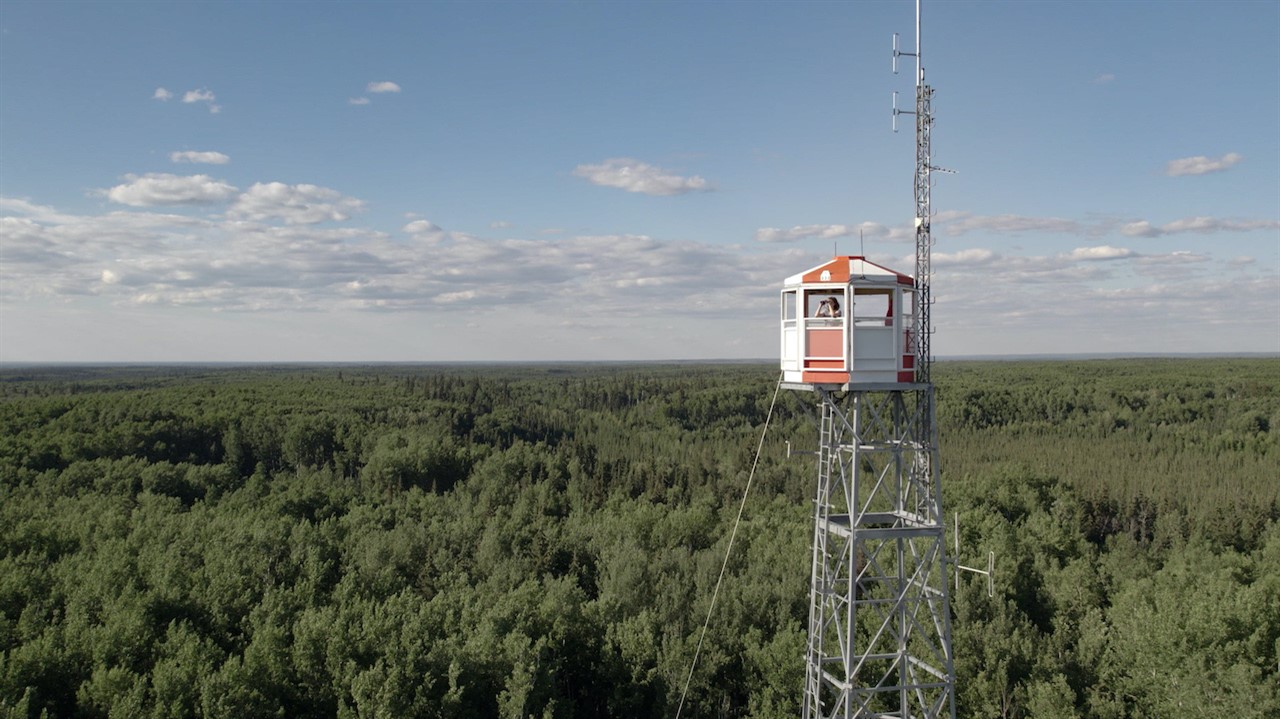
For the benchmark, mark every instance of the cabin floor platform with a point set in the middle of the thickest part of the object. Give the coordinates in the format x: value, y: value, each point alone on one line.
x: 857, y: 386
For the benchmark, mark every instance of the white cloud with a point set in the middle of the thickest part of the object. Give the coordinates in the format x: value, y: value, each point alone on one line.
x: 961, y: 223
x: 1201, y: 165
x: 164, y: 189
x: 970, y: 257
x: 294, y: 204
x: 448, y: 298
x: 1141, y: 228
x: 202, y: 95
x: 421, y: 227
x: 43, y: 213
x: 1206, y: 225
x: 207, y: 158
x: 801, y: 232
x: 162, y: 94
x: 1197, y: 225
x: 872, y: 230
x: 358, y: 101
x: 1104, y: 78
x: 1174, y: 266
x: 957, y: 223
x: 1102, y: 252
x: 635, y: 176
x: 27, y: 244
x: 425, y: 231
x: 383, y: 86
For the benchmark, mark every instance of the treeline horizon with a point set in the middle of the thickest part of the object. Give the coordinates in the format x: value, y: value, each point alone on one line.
x: 14, y: 367
x: 541, y: 539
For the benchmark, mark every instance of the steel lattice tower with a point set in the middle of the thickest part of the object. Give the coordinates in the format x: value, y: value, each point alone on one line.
x: 879, y: 612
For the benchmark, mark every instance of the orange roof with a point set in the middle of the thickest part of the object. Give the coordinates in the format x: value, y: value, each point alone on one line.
x: 848, y: 268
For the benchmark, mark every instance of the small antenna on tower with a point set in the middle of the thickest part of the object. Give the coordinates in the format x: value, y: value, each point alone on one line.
x: 898, y: 53
x: 919, y: 68
x: 989, y: 572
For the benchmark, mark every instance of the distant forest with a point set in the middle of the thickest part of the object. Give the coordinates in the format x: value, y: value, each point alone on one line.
x: 542, y: 540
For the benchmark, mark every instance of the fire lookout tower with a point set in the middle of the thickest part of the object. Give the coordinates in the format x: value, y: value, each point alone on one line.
x: 856, y: 335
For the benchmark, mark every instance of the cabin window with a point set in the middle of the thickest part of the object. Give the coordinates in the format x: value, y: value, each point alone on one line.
x: 824, y: 306
x: 789, y: 306
x: 873, y: 308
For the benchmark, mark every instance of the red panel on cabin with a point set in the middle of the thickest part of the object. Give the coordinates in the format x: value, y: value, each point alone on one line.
x: 825, y: 377
x: 908, y: 361
x: 824, y: 364
x: 906, y: 376
x: 825, y: 343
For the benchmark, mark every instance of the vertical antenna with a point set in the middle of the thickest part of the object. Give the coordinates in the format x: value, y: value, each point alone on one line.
x: 919, y: 69
x: 924, y: 166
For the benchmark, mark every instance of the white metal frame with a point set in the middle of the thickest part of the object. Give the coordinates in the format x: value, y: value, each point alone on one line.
x: 879, y: 616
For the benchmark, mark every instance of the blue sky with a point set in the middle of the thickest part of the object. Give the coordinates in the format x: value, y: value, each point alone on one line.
x: 625, y: 180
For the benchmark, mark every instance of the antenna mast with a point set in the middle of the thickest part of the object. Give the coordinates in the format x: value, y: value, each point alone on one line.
x: 924, y: 212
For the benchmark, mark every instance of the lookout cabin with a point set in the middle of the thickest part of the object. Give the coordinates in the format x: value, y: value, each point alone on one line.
x: 848, y: 322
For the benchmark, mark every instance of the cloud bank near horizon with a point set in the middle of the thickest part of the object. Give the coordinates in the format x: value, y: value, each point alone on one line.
x: 289, y: 248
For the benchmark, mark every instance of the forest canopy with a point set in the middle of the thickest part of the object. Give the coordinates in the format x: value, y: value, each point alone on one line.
x: 542, y: 540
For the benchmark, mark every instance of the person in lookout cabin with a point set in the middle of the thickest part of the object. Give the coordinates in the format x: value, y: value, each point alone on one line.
x: 829, y: 308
